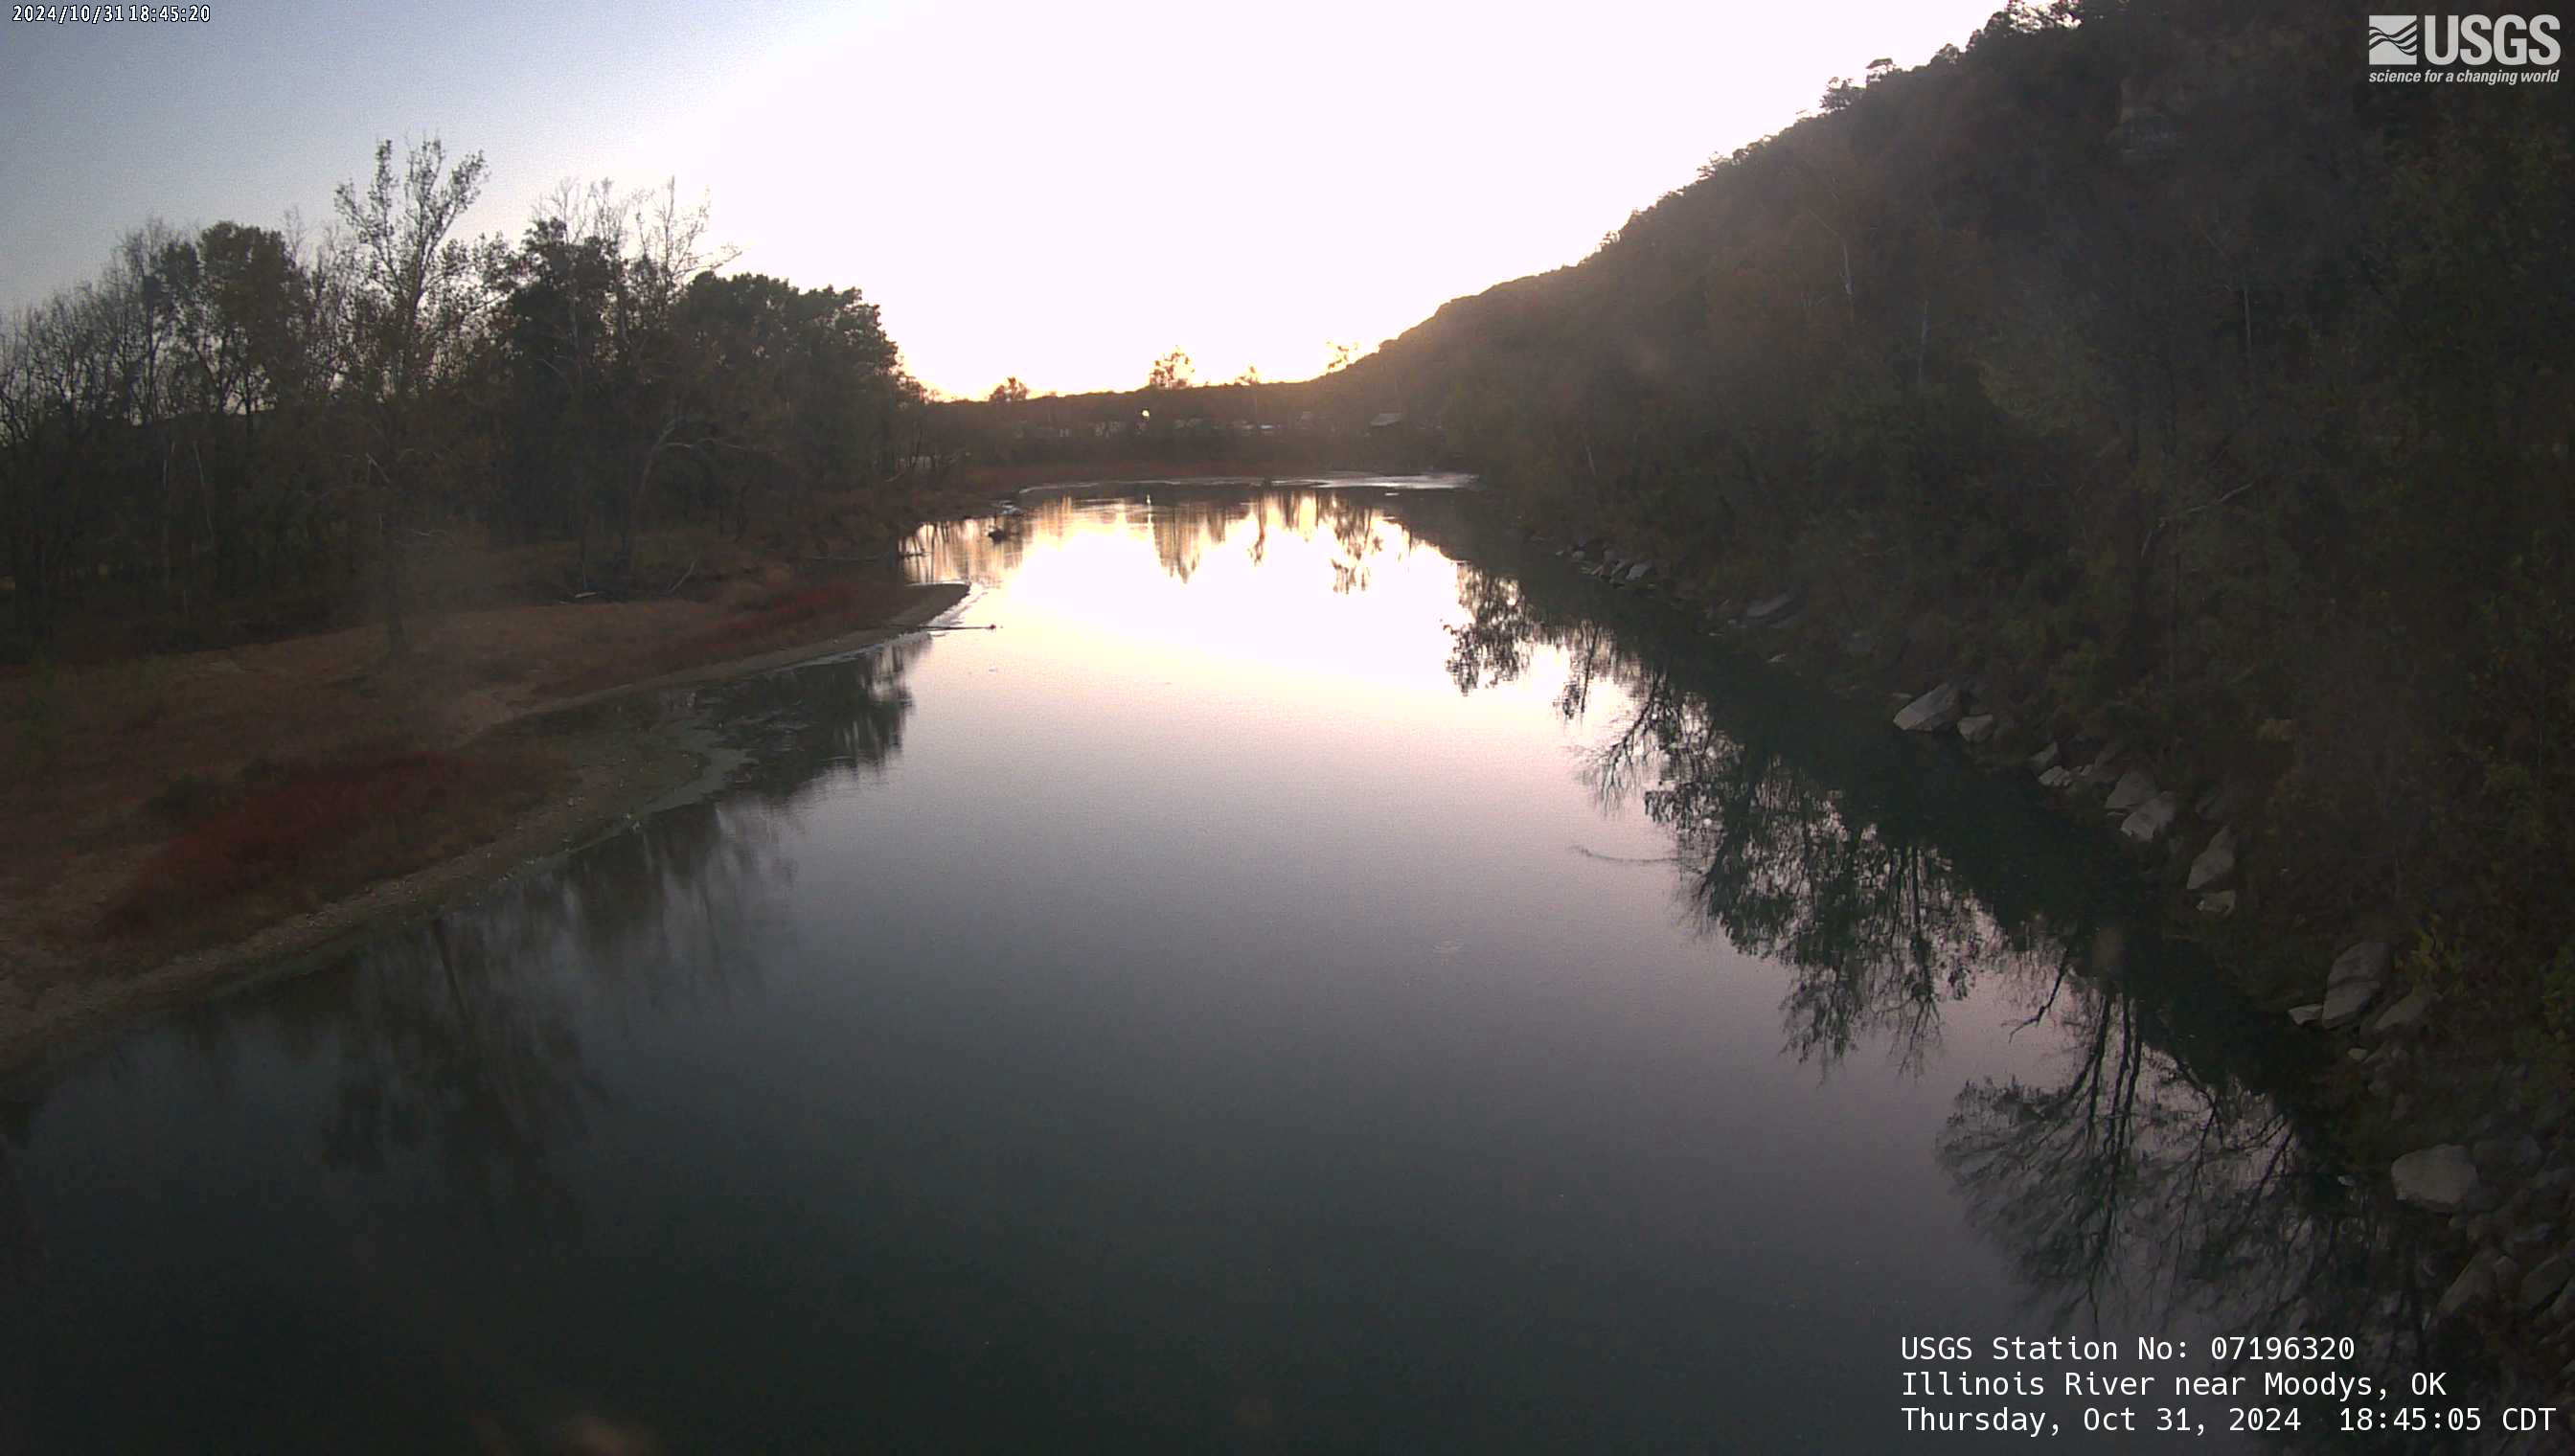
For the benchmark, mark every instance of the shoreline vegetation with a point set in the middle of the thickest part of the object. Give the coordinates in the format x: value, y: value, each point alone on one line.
x: 189, y: 838
x: 2133, y: 394
x: 303, y: 530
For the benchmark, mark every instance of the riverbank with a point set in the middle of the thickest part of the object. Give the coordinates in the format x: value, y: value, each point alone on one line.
x: 2452, y: 1113
x: 178, y: 826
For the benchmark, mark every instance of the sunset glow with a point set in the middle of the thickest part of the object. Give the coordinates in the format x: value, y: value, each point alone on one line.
x: 1056, y: 193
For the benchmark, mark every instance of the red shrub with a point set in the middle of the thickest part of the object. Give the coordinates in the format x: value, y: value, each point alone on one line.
x: 771, y: 616
x: 315, y: 812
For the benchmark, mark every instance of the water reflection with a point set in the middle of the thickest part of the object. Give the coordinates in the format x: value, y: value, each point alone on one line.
x: 1009, y: 1106
x: 2170, y: 1180
x: 1186, y: 525
x: 819, y: 722
x: 1790, y: 864
x: 459, y: 1044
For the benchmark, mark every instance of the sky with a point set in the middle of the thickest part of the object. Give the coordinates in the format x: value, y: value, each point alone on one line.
x: 1058, y: 192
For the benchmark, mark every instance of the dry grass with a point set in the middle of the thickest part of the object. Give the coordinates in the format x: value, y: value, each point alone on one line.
x: 323, y: 830
x: 155, y: 805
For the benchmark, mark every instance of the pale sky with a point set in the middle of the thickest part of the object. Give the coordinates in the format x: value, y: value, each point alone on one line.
x: 1058, y: 191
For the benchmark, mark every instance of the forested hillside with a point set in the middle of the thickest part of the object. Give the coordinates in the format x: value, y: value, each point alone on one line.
x: 2145, y: 365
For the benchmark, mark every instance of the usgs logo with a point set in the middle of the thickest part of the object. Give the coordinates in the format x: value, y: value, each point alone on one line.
x: 2463, y: 40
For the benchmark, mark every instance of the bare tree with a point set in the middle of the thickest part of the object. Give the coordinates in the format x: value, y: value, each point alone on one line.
x: 412, y: 291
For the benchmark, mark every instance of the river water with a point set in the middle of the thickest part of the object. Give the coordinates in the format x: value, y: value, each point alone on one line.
x: 1287, y: 969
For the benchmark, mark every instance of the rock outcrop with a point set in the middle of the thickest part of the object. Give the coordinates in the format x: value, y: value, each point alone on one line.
x: 2443, y: 1179
x: 2147, y: 822
x: 1932, y: 711
x: 2215, y: 862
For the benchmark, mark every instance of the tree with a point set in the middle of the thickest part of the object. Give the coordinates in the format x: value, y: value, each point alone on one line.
x: 1171, y: 372
x: 411, y: 293
x: 1010, y: 392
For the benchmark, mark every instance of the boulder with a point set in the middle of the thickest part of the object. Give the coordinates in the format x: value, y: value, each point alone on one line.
x: 2507, y: 1154
x: 2306, y: 1015
x: 2366, y: 960
x: 2474, y: 1285
x: 2404, y: 1014
x: 2103, y: 763
x: 2214, y: 863
x: 1932, y: 711
x: 2442, y: 1179
x: 2563, y: 1311
x: 2133, y: 788
x: 2343, y: 1003
x: 2542, y: 1283
x: 1770, y: 607
x: 2057, y: 777
x: 1640, y: 572
x: 1978, y: 728
x: 2045, y: 759
x: 2148, y: 823
x: 2218, y: 906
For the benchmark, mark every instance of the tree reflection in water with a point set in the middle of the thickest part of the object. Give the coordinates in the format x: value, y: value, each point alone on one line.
x: 1187, y: 524
x: 2167, y: 1182
x: 457, y: 1046
x: 1878, y: 929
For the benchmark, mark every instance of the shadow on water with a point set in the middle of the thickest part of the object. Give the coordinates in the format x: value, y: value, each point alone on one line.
x: 2179, y: 1174
x: 2167, y: 1172
x: 458, y: 1079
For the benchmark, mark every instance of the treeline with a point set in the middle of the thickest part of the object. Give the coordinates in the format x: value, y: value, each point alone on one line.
x: 1245, y: 426
x: 244, y: 431
x: 2144, y: 363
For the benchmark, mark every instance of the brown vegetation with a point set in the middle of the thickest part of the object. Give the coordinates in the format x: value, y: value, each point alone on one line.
x: 154, y: 807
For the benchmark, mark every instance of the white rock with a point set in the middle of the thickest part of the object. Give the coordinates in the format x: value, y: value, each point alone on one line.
x: 2057, y: 777
x: 2364, y: 961
x: 2151, y: 819
x: 2133, y: 788
x: 1978, y: 728
x: 1932, y: 711
x: 2343, y: 1003
x: 2214, y: 863
x: 2442, y: 1179
x: 2404, y: 1014
x: 2220, y: 906
x: 2306, y: 1015
x: 2045, y: 759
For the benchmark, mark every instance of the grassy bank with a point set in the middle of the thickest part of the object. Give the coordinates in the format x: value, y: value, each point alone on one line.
x: 167, y: 822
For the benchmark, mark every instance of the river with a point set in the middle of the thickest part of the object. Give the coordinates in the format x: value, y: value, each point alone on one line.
x: 1282, y: 970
